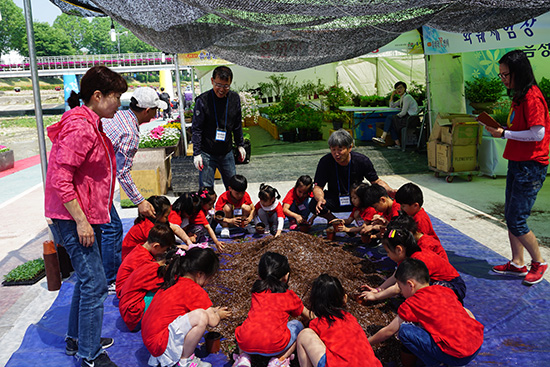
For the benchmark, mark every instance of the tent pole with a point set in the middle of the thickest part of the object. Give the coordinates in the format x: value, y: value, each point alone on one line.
x: 36, y: 90
x: 193, y: 81
x: 428, y: 97
x: 181, y: 100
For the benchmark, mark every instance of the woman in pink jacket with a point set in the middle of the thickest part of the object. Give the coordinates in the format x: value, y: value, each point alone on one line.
x: 78, y: 197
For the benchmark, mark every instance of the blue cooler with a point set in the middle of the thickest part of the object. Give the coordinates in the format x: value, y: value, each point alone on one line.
x: 365, y: 123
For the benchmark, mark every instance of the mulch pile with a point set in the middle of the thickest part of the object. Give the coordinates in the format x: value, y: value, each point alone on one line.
x: 308, y: 256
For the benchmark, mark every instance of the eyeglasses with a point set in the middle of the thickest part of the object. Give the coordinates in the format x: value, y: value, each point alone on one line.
x: 503, y: 75
x: 224, y: 86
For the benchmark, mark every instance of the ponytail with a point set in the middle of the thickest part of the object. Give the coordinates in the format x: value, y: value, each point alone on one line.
x: 74, y: 99
x: 271, y: 269
x: 193, y: 261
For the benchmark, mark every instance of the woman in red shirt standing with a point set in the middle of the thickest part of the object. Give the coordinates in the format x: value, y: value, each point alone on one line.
x: 528, y: 136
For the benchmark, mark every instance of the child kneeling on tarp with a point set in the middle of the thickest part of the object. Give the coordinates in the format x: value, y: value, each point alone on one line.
x: 432, y: 323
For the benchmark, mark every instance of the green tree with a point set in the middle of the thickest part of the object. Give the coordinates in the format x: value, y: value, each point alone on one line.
x: 49, y: 41
x: 77, y: 28
x: 12, y: 27
x: 100, y: 40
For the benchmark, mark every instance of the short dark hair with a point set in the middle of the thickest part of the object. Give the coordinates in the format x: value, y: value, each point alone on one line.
x: 521, y: 73
x: 162, y: 89
x: 99, y: 78
x: 400, y: 83
x: 409, y: 194
x: 304, y: 180
x: 188, y: 203
x: 412, y: 269
x: 373, y: 194
x: 268, y: 192
x: 361, y: 192
x: 238, y: 183
x: 223, y: 72
x: 134, y: 106
x: 403, y: 221
x: 162, y: 234
x: 327, y: 298
x: 160, y: 203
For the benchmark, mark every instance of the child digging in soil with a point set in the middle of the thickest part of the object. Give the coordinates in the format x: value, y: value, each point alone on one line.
x: 267, y: 331
x: 181, y: 310
x: 361, y: 213
x: 236, y: 205
x: 296, y: 202
x: 198, y: 223
x: 432, y: 324
x: 327, y: 341
x: 269, y: 210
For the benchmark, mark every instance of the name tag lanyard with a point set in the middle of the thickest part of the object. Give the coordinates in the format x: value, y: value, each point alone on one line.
x: 344, y: 199
x: 220, y: 134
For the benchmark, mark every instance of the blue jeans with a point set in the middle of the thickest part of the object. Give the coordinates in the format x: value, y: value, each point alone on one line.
x: 295, y: 327
x: 90, y: 289
x: 305, y: 212
x: 111, y: 246
x: 224, y: 163
x: 420, y: 343
x: 523, y: 182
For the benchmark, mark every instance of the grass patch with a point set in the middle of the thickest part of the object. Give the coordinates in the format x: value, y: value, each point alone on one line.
x: 127, y: 203
x: 28, y: 121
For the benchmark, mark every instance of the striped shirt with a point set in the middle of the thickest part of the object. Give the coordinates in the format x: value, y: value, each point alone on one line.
x: 123, y: 130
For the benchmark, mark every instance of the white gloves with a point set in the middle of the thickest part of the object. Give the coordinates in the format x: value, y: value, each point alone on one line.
x: 197, y: 161
x: 242, y: 154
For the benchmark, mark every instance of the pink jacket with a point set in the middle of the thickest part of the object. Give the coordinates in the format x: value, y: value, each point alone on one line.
x: 82, y: 165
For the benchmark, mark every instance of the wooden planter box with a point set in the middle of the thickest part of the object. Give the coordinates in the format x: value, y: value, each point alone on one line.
x: 250, y: 121
x: 269, y: 126
x: 6, y: 160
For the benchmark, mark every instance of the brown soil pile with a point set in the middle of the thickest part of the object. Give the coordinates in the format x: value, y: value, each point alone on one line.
x: 309, y: 257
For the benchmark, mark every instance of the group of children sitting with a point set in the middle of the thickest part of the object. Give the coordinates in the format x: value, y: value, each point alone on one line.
x: 160, y: 284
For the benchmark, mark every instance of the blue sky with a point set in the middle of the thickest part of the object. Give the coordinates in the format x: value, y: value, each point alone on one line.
x: 42, y: 10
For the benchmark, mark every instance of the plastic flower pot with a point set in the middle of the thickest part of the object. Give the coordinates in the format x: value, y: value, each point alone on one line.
x: 330, y: 234
x: 213, y: 340
x: 304, y: 227
x: 219, y: 215
x: 336, y: 223
x: 260, y: 228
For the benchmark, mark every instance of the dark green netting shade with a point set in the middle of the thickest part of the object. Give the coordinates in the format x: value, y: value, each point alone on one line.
x: 287, y: 35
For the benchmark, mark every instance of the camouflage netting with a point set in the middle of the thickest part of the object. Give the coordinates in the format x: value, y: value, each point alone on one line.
x: 287, y: 35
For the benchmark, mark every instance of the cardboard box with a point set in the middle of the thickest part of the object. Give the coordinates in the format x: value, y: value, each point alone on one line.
x: 448, y: 119
x: 432, y: 153
x: 456, y: 158
x: 462, y: 133
x: 148, y: 182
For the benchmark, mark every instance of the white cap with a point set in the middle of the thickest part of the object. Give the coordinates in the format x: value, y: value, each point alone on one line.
x: 147, y: 98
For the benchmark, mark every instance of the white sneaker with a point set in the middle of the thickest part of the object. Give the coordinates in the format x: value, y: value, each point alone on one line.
x: 192, y: 361
x: 111, y: 288
x: 224, y: 233
x: 379, y: 140
x: 242, y: 360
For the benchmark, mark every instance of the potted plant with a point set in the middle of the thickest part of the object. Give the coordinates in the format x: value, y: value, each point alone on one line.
x: 501, y: 111
x: 483, y: 92
x: 544, y: 86
x: 6, y: 158
x: 356, y: 99
x: 277, y: 82
x: 337, y: 118
x: 249, y: 109
x: 337, y: 96
x: 319, y: 89
x: 265, y: 91
x: 418, y: 92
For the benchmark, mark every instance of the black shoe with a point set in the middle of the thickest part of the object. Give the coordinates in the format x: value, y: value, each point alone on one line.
x: 72, y: 345
x: 101, y: 360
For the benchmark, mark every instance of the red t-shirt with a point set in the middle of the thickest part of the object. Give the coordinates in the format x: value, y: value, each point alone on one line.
x: 346, y: 342
x: 530, y: 112
x: 166, y: 306
x: 175, y: 218
x: 199, y: 218
x: 265, y: 330
x: 424, y: 224
x: 136, y: 236
x: 438, y: 268
x: 136, y: 258
x: 291, y: 197
x: 441, y: 314
x: 278, y: 209
x: 430, y: 243
x: 226, y: 198
x: 141, y: 281
x: 393, y: 212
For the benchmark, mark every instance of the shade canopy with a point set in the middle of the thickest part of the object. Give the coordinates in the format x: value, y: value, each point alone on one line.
x: 287, y: 35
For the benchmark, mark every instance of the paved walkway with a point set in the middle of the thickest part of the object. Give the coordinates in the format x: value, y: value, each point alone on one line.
x: 24, y: 228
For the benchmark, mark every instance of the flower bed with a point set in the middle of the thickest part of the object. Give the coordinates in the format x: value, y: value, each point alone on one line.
x: 160, y: 137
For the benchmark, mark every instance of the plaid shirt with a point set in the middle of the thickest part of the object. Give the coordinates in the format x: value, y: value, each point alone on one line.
x: 123, y: 130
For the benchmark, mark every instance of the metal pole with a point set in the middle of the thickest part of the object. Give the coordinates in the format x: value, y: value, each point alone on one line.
x: 193, y: 81
x: 428, y: 95
x: 36, y: 90
x: 181, y: 102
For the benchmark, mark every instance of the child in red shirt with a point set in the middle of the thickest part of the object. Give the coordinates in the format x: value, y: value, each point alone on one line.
x: 361, y: 213
x: 327, y: 341
x: 236, y: 205
x: 410, y: 197
x: 296, y: 202
x: 187, y: 205
x: 400, y: 244
x: 159, y: 240
x: 269, y: 210
x: 137, y: 235
x: 432, y: 323
x: 181, y: 310
x: 198, y: 223
x: 267, y: 331
x: 377, y: 197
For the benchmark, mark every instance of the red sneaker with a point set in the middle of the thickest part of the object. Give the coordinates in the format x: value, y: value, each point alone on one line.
x: 510, y: 269
x: 535, y: 274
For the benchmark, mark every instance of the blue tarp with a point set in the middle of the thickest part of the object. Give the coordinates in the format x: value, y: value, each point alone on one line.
x: 516, y: 317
